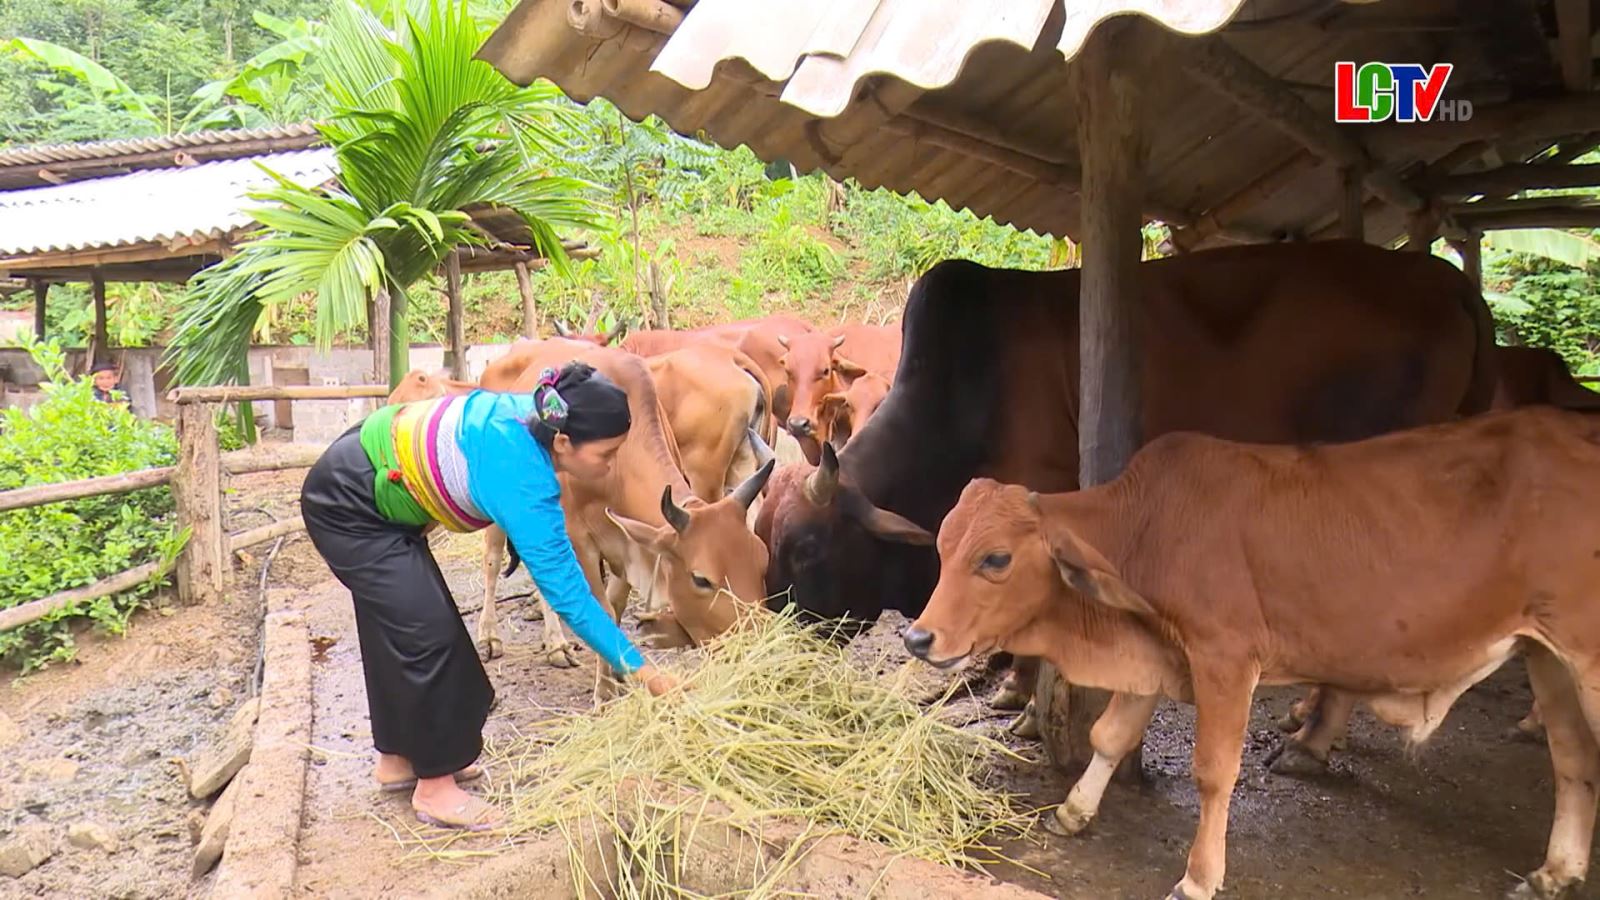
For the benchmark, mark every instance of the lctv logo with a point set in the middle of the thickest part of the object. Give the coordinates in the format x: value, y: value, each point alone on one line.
x: 1399, y: 92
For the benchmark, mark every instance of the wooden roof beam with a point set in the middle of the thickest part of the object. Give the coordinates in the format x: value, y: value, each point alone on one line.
x: 1551, y: 119
x: 1528, y: 214
x: 1513, y: 178
x: 1219, y: 67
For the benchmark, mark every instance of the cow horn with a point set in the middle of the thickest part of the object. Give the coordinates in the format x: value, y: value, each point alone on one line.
x: 822, y: 484
x: 838, y: 342
x: 673, y: 513
x: 783, y: 341
x: 763, y: 452
x: 561, y: 328
x: 750, y: 488
x: 1033, y: 500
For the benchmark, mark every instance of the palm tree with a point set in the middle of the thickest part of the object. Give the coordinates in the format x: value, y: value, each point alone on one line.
x: 423, y: 132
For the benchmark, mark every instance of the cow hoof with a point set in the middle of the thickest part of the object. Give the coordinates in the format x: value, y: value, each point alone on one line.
x: 561, y: 657
x: 1289, y: 723
x: 1183, y: 890
x: 1026, y: 725
x: 491, y: 648
x: 1294, y: 760
x: 1540, y: 886
x: 1009, y: 698
x: 1067, y: 822
x: 1526, y: 733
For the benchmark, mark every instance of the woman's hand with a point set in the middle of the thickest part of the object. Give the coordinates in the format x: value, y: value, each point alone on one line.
x: 657, y: 682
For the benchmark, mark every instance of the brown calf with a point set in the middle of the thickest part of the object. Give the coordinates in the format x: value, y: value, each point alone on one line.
x: 1400, y: 570
x: 822, y: 363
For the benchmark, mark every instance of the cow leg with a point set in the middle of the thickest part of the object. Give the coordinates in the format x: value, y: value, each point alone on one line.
x: 1017, y: 688
x: 1531, y: 727
x: 554, y: 647
x: 1296, y: 717
x: 1306, y: 751
x: 608, y: 683
x: 494, y: 547
x: 1575, y: 759
x: 1222, y: 712
x: 1116, y: 733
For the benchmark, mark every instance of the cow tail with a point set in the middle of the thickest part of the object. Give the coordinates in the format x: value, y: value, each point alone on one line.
x: 1485, y: 374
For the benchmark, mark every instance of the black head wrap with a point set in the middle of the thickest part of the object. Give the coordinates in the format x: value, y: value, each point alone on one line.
x: 579, y: 402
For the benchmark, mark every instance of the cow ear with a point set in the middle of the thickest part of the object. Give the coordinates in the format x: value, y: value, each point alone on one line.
x: 847, y: 368
x: 895, y: 528
x: 831, y: 402
x: 1086, y: 571
x: 654, y: 539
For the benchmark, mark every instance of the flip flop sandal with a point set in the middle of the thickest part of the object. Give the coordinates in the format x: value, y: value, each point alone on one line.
x: 474, y: 814
x: 471, y: 773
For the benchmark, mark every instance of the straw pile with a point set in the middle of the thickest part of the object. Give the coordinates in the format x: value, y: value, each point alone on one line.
x: 775, y: 722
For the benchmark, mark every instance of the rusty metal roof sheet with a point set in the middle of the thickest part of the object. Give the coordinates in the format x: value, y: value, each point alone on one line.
x: 44, y: 154
x: 175, y: 206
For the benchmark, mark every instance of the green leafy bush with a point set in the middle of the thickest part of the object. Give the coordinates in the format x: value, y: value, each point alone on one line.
x: 65, y: 437
x: 1542, y: 303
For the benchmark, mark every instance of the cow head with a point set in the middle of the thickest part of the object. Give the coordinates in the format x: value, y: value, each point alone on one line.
x: 1004, y: 565
x: 709, y: 566
x: 812, y: 370
x: 836, y: 556
x: 842, y: 414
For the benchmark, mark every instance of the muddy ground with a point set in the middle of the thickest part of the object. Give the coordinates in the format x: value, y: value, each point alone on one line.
x: 99, y: 738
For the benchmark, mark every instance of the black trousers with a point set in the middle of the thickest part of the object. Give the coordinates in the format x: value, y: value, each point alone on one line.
x: 427, y: 693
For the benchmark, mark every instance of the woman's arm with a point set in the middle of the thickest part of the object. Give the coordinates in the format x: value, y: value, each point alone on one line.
x: 526, y: 503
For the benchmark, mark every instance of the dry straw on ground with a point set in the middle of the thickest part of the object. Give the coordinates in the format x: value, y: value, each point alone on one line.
x: 775, y: 722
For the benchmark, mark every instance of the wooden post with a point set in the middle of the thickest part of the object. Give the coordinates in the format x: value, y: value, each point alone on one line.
x: 378, y: 334
x: 1471, y: 250
x: 1352, y: 211
x: 530, y: 313
x: 1422, y: 227
x: 41, y: 295
x: 197, y: 489
x: 1111, y: 144
x: 97, y: 343
x: 456, y: 352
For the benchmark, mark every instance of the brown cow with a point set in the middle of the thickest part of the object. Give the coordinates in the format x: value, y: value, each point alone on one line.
x: 1326, y: 341
x: 1526, y: 376
x: 826, y: 362
x: 841, y: 415
x: 691, y: 560
x: 1402, y: 569
x: 716, y: 399
x: 756, y: 338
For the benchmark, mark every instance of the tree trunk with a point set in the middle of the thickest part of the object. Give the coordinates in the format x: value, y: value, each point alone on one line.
x: 98, y: 342
x: 399, y: 337
x: 530, y: 312
x: 378, y: 337
x: 41, y: 295
x: 456, y: 354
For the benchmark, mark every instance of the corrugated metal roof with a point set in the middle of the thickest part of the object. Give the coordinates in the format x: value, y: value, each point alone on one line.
x: 43, y: 154
x: 166, y: 205
x: 986, y: 118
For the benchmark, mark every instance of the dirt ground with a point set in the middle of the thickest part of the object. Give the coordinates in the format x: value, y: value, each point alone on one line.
x: 100, y: 737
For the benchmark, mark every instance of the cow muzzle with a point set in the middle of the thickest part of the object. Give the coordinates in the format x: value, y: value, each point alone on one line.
x: 800, y: 426
x: 919, y: 643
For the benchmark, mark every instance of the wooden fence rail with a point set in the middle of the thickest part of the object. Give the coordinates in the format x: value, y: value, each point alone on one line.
x: 197, y: 482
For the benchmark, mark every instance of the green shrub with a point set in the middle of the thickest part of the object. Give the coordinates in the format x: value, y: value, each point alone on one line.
x: 65, y: 437
x: 1542, y: 303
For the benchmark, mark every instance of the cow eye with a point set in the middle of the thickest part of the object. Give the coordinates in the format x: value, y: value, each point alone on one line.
x: 996, y: 562
x: 701, y: 582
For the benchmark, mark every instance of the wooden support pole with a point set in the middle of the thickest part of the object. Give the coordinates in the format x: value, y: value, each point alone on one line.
x: 1111, y: 142
x: 378, y: 332
x: 39, y: 495
x: 530, y: 312
x: 97, y: 343
x: 17, y: 616
x: 1471, y: 250
x: 456, y: 352
x: 41, y: 296
x: 197, y: 490
x: 1573, y: 32
x: 1422, y: 229
x: 1352, y: 206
